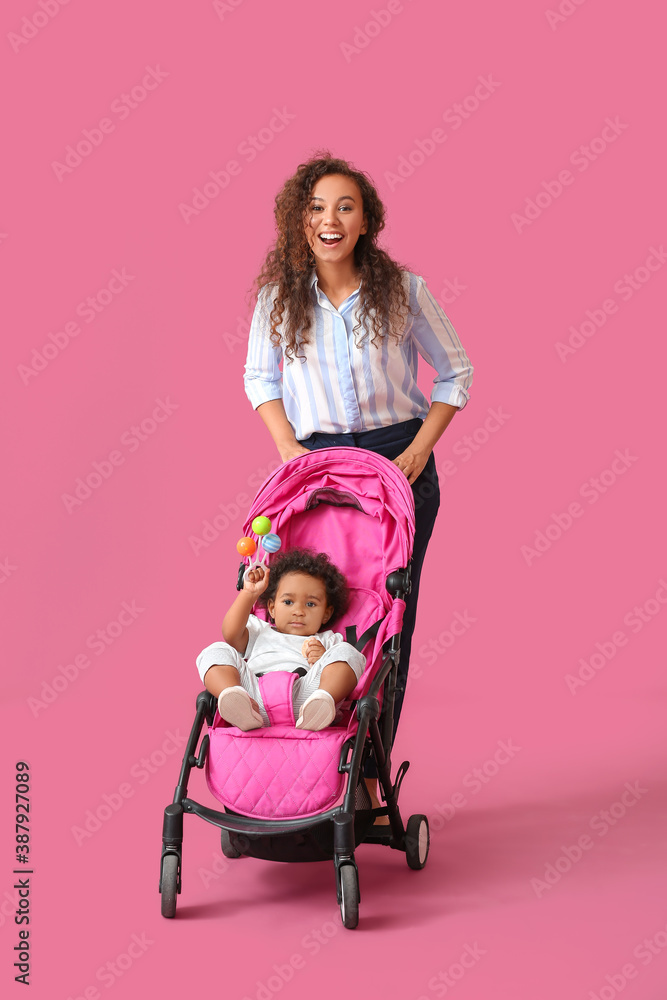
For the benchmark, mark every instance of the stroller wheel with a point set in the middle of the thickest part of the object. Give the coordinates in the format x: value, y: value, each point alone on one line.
x: 228, y: 848
x: 417, y: 841
x: 169, y: 886
x: 349, y: 896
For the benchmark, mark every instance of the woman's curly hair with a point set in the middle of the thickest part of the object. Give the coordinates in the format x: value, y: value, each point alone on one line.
x: 316, y: 564
x: 383, y: 301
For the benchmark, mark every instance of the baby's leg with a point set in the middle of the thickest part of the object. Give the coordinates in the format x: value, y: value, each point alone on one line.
x: 220, y: 676
x: 320, y: 691
x: 233, y: 684
x: 339, y: 680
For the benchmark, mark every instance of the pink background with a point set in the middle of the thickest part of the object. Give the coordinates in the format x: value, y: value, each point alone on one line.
x: 175, y: 332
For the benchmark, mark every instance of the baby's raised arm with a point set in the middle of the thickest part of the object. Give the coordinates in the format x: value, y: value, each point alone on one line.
x: 234, y: 624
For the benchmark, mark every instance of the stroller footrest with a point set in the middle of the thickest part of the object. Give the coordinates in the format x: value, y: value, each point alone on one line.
x: 277, y: 772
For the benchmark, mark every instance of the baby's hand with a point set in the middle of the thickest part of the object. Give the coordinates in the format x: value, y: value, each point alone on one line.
x: 312, y: 649
x: 256, y: 580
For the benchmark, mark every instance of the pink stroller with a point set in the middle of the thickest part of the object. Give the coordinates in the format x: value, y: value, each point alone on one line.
x: 297, y: 795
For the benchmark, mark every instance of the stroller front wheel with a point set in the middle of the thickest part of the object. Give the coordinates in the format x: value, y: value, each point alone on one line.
x: 349, y: 896
x: 169, y: 885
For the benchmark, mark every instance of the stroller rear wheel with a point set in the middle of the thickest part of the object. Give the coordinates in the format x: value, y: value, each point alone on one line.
x: 226, y: 845
x: 349, y: 896
x: 417, y: 841
x: 169, y: 885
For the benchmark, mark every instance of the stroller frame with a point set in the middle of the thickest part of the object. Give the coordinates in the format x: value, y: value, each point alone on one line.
x: 374, y: 734
x: 335, y: 832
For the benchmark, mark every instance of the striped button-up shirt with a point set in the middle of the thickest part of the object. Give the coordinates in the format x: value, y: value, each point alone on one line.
x: 342, y: 386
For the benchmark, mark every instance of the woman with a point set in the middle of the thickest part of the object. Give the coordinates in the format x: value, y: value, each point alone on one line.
x: 347, y: 324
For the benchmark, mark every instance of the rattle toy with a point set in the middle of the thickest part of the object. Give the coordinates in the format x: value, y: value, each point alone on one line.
x: 269, y: 543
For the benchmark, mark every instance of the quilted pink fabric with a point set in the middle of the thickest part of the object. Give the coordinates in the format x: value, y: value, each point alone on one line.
x: 275, y: 773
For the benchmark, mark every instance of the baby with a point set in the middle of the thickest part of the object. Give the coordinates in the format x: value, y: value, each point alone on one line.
x: 302, y: 591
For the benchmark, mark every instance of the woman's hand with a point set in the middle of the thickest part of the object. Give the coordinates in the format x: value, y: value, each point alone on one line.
x: 411, y: 462
x: 274, y: 416
x: 291, y: 451
x: 312, y: 649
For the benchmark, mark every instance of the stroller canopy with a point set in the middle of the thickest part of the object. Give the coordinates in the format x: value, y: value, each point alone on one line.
x: 352, y: 504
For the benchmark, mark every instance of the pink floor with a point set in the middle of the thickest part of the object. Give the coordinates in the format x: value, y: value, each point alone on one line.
x: 518, y: 150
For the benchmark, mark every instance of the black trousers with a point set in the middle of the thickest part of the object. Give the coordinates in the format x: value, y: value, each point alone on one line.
x: 390, y: 442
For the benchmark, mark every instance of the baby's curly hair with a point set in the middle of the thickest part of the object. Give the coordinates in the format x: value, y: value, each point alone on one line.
x: 383, y: 301
x: 315, y: 564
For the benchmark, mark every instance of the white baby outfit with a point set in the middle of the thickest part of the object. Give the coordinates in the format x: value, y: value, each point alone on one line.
x: 269, y: 650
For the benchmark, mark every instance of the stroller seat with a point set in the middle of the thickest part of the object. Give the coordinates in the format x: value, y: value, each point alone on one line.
x: 279, y: 772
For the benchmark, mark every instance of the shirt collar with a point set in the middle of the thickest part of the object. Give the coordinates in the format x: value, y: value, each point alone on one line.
x: 314, y: 284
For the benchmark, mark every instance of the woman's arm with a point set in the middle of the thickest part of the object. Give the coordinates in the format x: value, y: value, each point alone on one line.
x: 274, y: 416
x: 437, y: 342
x: 414, y: 458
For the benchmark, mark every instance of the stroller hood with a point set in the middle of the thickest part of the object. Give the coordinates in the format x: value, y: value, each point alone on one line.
x: 351, y: 503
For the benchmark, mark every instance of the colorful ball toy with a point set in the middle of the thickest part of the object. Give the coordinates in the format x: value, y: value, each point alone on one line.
x: 271, y: 543
x: 261, y: 525
x: 246, y: 546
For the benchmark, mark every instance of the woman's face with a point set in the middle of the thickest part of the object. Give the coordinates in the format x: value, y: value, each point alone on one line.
x: 335, y: 218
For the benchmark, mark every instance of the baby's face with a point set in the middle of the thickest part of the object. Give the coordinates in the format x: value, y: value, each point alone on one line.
x: 300, y: 607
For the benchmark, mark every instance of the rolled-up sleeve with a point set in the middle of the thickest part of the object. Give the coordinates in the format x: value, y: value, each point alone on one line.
x: 263, y: 379
x: 437, y: 342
